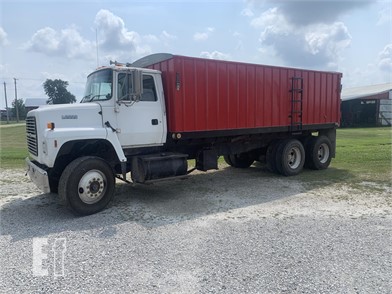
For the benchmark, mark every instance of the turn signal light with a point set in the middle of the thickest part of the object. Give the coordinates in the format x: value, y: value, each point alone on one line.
x: 50, y: 125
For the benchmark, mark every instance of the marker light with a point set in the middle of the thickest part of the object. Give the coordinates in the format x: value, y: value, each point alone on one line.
x: 50, y: 125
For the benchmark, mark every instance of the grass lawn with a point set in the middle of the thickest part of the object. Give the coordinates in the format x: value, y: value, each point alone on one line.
x: 361, y: 155
x: 11, y: 122
x: 13, y: 145
x: 365, y: 153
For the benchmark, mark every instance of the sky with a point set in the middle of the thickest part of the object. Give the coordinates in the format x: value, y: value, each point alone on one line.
x: 67, y: 40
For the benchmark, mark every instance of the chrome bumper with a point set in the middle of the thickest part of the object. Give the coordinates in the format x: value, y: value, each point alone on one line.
x: 38, y: 176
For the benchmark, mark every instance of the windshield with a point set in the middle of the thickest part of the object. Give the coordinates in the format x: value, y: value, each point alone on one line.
x: 99, y: 86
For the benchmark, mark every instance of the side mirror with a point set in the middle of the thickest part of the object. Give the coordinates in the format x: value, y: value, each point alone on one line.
x: 137, y: 84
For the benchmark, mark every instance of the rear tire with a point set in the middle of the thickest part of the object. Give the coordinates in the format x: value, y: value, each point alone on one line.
x: 318, y: 153
x: 242, y: 160
x: 270, y: 156
x: 227, y: 160
x: 87, y: 185
x: 290, y: 157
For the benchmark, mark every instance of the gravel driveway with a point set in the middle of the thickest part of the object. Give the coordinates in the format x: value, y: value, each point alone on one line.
x: 229, y: 231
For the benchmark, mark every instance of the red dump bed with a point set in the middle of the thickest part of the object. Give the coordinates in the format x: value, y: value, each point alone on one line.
x: 208, y: 95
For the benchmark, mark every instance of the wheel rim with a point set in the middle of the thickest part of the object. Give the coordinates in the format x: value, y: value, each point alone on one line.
x: 323, y: 153
x: 294, y: 158
x: 92, y: 186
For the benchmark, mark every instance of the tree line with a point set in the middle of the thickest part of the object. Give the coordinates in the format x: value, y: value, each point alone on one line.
x: 57, y: 93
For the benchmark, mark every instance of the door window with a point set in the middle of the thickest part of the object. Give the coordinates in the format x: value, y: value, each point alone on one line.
x: 124, y: 88
x: 149, y: 91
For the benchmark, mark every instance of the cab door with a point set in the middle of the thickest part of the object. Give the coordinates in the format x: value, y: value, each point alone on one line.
x: 141, y: 121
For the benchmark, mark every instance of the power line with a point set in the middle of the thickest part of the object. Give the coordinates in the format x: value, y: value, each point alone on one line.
x: 35, y: 79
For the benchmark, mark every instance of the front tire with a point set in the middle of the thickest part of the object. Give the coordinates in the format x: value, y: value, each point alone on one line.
x: 54, y: 185
x: 87, y: 185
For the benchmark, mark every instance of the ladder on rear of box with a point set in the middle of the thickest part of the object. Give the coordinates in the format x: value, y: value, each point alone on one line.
x: 296, y: 95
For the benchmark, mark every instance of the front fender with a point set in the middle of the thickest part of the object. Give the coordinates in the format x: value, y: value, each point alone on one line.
x: 55, y: 139
x: 113, y: 139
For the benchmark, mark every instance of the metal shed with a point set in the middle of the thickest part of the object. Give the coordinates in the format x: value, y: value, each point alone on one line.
x: 367, y: 106
x: 33, y: 103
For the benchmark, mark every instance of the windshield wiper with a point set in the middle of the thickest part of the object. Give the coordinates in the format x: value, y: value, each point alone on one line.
x: 92, y: 97
x: 85, y: 98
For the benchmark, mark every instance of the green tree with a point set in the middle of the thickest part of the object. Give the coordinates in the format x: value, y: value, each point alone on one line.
x: 21, y: 109
x: 57, y: 92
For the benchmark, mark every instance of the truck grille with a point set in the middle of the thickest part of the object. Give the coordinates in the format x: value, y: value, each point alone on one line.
x: 31, y: 134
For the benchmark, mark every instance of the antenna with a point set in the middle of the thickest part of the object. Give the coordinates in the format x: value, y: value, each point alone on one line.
x: 96, y: 45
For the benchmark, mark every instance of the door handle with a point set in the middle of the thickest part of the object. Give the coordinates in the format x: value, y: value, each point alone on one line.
x: 154, y: 122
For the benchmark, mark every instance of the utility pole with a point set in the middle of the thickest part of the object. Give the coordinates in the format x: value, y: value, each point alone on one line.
x: 6, y: 103
x: 16, y: 103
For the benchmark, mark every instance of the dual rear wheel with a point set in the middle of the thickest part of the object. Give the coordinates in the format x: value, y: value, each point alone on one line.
x: 318, y: 153
x: 289, y: 156
x: 286, y: 157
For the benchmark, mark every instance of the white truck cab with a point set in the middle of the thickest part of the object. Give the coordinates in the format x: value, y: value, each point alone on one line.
x: 123, y: 108
x: 135, y: 112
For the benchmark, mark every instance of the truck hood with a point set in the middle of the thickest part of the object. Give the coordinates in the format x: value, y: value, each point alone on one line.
x: 69, y: 115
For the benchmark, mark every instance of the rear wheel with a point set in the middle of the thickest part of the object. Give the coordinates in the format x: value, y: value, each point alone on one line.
x: 270, y: 156
x: 242, y: 160
x: 87, y: 185
x: 318, y: 153
x: 228, y: 160
x: 290, y: 157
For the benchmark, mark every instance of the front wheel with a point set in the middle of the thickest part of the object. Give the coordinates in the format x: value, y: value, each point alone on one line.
x: 87, y: 185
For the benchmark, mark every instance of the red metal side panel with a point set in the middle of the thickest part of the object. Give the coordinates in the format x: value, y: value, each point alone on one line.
x: 212, y: 95
x: 173, y: 104
x: 232, y: 96
x: 258, y: 96
x: 187, y: 94
x: 321, y: 98
x: 318, y: 98
x: 266, y: 112
x: 309, y: 94
x: 335, y: 108
x: 201, y: 115
x: 222, y: 117
x: 221, y: 95
x: 251, y: 95
x: 241, y: 96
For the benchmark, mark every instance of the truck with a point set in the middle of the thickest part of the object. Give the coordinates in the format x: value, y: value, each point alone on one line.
x: 144, y: 122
